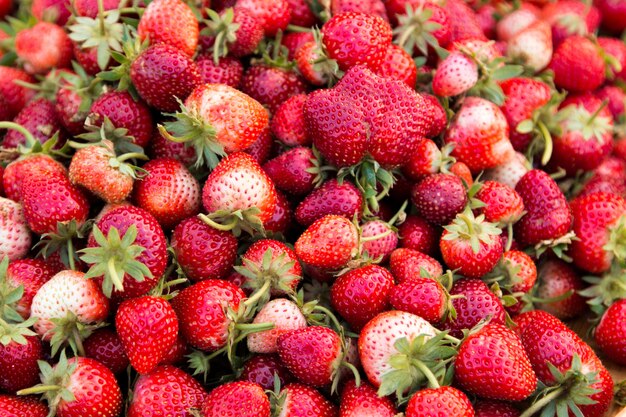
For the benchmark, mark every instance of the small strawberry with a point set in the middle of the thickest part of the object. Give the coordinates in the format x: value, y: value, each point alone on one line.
x: 16, y: 238
x: 578, y: 65
x: 510, y: 172
x: 559, y: 285
x: 532, y: 46
x: 20, y: 169
x: 271, y: 85
x: 516, y: 21
x: 296, y: 400
x: 407, y: 264
x: 331, y: 198
x: 171, y: 22
x: 424, y: 297
x: 288, y: 124
x: 417, y: 234
x: 290, y: 171
x: 237, y: 399
x: 456, y: 74
x: 399, y: 65
x: 569, y: 17
x: 14, y: 406
x: 20, y: 350
x: 41, y: 119
x: 433, y: 402
x: 502, y: 203
x: 362, y: 401
x: 43, y: 47
x: 15, y: 95
x: 329, y: 243
x: 105, y: 346
x: 609, y: 334
x: 438, y: 198
x: 234, y: 32
x: 31, y: 274
x: 378, y: 240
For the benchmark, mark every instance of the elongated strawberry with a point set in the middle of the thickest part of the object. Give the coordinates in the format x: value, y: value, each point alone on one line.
x: 434, y: 401
x: 171, y: 22
x: 331, y: 198
x: 16, y: 238
x: 228, y: 399
x: 328, y: 243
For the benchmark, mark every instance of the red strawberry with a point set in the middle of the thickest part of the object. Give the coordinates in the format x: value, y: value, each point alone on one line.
x: 433, y: 402
x: 491, y: 363
x: 273, y: 15
x: 166, y: 390
x: 147, y: 327
x: 236, y: 32
x: 363, y: 401
x: 306, y: 56
x: 481, y: 135
x: 282, y: 218
x: 15, y: 95
x: 239, y: 191
x: 285, y: 315
x: 56, y: 10
x: 20, y: 350
x: 227, y: 71
x: 237, y: 399
x: 516, y: 21
x: 89, y: 8
x: 271, y: 86
x: 477, y: 303
x: 417, y: 234
x: 312, y: 354
x: 288, y: 124
x: 438, y: 198
x: 463, y: 21
x: 617, y: 50
x: 43, y: 47
x: 557, y: 278
x: 262, y: 148
x: 502, y: 203
x: 79, y: 387
x: 399, y: 65
x: 407, y: 264
x: 612, y: 15
x: 424, y: 297
x: 201, y: 309
x: 40, y: 118
x: 262, y: 369
x: 14, y: 406
x: 105, y: 346
x: 548, y: 215
x: 160, y: 147
x: 520, y: 272
x: 302, y: 400
x: 31, y: 274
x: 294, y: 40
x: 158, y: 87
x: 456, y: 74
x: 15, y: 173
x: 569, y: 17
x: 290, y: 171
x: 578, y: 65
x: 615, y: 98
x: 171, y: 22
x: 16, y: 237
x: 361, y: 294
x: 609, y: 334
x: 427, y: 159
x: 168, y: 191
x: 332, y: 198
x: 329, y: 243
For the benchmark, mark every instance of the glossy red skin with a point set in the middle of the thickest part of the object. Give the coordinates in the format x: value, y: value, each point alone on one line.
x: 490, y: 408
x: 31, y: 274
x: 577, y: 65
x: 527, y: 274
x: 463, y: 20
x: 161, y: 74
x: 301, y: 14
x: 417, y: 234
x: 87, y: 58
x: 294, y: 40
x: 262, y: 149
x: 363, y: 400
x: 67, y: 106
x: 282, y: 218
x: 149, y: 236
x: 166, y: 390
x: 161, y: 147
x: 40, y: 118
x: 289, y: 172
x: 288, y: 124
x: 304, y: 401
x: 458, y: 254
x: 271, y: 86
x: 613, y: 15
x: 331, y: 198
x: 356, y: 39
x: 425, y: 160
x: 124, y: 112
x: 169, y: 192
x: 200, y: 309
x: 398, y: 64
x: 15, y: 173
x: 491, y: 363
x: 439, y: 116
x: 478, y: 304
x: 273, y: 15
x: 247, y: 37
x: 610, y: 333
x: 556, y: 278
x: 228, y: 71
x: 523, y: 97
x: 43, y: 47
x: 177, y: 353
x: 424, y: 297
x: 260, y: 369
x: 548, y: 214
x: 18, y: 364
x: 615, y: 99
x: 105, y: 346
x: 202, y: 251
x: 170, y: 22
x: 237, y: 399
x: 361, y: 294
x: 438, y: 198
x: 15, y: 95
x: 311, y: 354
x: 503, y: 203
x: 436, y: 402
x: 14, y: 406
x: 406, y: 264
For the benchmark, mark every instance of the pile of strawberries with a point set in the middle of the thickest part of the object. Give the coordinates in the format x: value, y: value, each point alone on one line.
x: 311, y: 208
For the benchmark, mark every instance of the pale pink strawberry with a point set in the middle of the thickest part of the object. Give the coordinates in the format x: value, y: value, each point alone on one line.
x: 456, y: 74
x: 15, y: 237
x: 384, y: 244
x: 285, y: 315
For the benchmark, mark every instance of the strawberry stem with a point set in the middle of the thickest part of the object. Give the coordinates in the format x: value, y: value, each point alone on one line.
x: 70, y: 254
x: 509, y: 239
x: 115, y: 278
x: 547, y: 139
x: 79, y: 342
x: 39, y: 389
x: 432, y: 380
x: 223, y: 227
x: 539, y: 405
x: 30, y: 139
x: 258, y: 294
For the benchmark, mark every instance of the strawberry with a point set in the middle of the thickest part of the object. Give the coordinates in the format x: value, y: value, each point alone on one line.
x: 556, y: 280
x: 147, y: 327
x: 362, y: 401
x: 131, y: 241
x: 239, y: 192
x: 491, y: 363
x: 227, y: 71
x: 298, y: 400
x: 614, y: 97
x: 313, y: 65
x: 105, y: 346
x: 235, y: 31
x: 97, y: 169
x: 331, y: 198
x: 378, y: 240
x: 532, y: 46
x: 438, y: 198
x: 31, y: 274
x: 360, y: 294
x: 78, y: 387
x: 237, y: 399
x: 40, y: 118
x: 516, y: 273
x: 20, y: 350
x: 16, y: 237
x: 288, y: 124
x: 510, y: 172
x: 43, y: 47
x: 89, y: 8
x: 407, y: 264
x: 160, y: 147
x: 57, y: 11
x: 502, y: 203
x: 481, y: 135
x: 399, y: 65
x: 273, y: 15
x: 165, y: 390
x: 471, y: 245
x: 64, y: 202
x: 202, y: 251
x: 301, y: 13
x: 290, y: 171
x: 456, y: 74
x: 569, y: 17
x: 15, y: 96
x: 417, y: 234
x: 424, y: 297
x: 427, y: 159
x: 516, y: 21
x: 168, y: 191
x: 14, y: 406
x: 171, y: 22
x: 294, y: 40
x: 329, y: 243
x: 598, y: 219
x: 439, y: 401
x: 609, y: 334
x: 616, y: 52
x: 286, y: 317
x: 159, y: 88
x: 15, y: 173
x: 356, y: 39
x: 491, y: 408
x: 612, y: 15
x: 263, y: 369
x: 201, y: 309
x: 548, y: 215
x: 271, y: 86
x: 463, y: 22
x: 578, y: 65
x: 262, y: 148
x: 311, y: 354
x: 476, y: 303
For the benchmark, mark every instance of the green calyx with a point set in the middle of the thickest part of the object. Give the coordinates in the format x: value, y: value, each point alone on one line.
x: 16, y: 332
x: 559, y: 246
x: 193, y: 130
x: 62, y: 241
x: 415, y: 30
x: 9, y: 296
x: 616, y: 244
x: 605, y: 290
x: 474, y: 229
x: 103, y: 132
x: 70, y: 331
x: 570, y: 390
x: 424, y: 361
x: 323, y: 64
x: 371, y: 179
x: 223, y: 29
x: 132, y: 46
x: 54, y: 383
x: 236, y: 221
x: 590, y: 125
x: 114, y: 257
